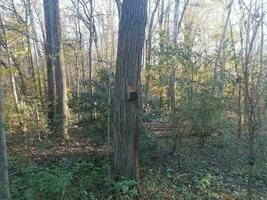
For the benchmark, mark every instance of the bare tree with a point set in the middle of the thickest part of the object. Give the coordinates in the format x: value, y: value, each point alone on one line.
x: 253, y: 86
x: 34, y: 43
x: 221, y: 44
x: 11, y: 70
x: 149, y: 49
x: 176, y: 29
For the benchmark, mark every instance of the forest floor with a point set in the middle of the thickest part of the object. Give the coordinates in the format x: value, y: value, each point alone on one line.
x: 78, y: 169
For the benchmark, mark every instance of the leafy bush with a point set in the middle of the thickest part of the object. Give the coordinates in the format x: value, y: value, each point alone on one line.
x: 36, y: 183
x: 91, y: 110
x: 68, y: 180
x: 206, y: 114
x: 126, y: 189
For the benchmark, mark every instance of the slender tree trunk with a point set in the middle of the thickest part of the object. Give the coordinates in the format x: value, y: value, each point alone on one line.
x: 78, y: 54
x: 12, y: 80
x: 30, y: 64
x: 127, y: 84
x: 37, y: 52
x: 176, y: 30
x: 90, y: 54
x: 239, y: 131
x: 4, y: 187
x: 149, y: 50
x: 44, y: 74
x: 176, y: 21
x: 250, y: 95
x: 239, y: 82
x: 173, y: 78
x: 81, y: 51
x: 98, y: 55
x: 221, y: 45
x: 161, y: 28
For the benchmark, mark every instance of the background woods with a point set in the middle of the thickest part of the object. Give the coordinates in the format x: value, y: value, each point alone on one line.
x: 121, y: 99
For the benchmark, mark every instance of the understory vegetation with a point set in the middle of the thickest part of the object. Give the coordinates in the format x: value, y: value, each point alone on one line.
x: 133, y: 99
x: 217, y: 170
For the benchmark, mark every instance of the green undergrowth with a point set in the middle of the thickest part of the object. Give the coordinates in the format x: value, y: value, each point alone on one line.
x: 217, y: 170
x: 67, y: 180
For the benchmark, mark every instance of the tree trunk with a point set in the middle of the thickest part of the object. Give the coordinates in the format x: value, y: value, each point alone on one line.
x: 127, y: 84
x: 221, y: 45
x: 90, y: 54
x: 13, y: 82
x: 53, y: 27
x: 149, y: 50
x: 51, y: 90
x: 172, y: 73
x: 37, y: 52
x: 173, y: 79
x: 60, y: 74
x: 176, y: 21
x: 176, y: 30
x: 4, y: 187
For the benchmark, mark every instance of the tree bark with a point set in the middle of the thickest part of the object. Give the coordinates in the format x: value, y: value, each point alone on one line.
x: 51, y: 89
x: 53, y: 27
x: 126, y: 113
x: 4, y: 187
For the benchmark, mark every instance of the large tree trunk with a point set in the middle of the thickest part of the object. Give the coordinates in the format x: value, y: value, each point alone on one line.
x: 126, y: 112
x: 4, y: 188
x: 53, y: 27
x: 60, y: 74
x: 51, y: 89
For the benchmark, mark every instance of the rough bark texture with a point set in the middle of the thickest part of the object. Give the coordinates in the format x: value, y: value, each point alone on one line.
x: 53, y: 27
x: 4, y: 188
x: 51, y: 90
x: 129, y: 57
